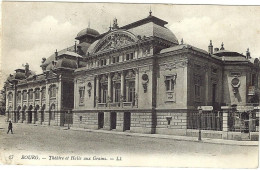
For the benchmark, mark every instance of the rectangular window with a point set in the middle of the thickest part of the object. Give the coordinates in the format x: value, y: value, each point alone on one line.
x: 197, y: 86
x: 19, y: 96
x: 197, y: 90
x: 37, y: 94
x: 169, y: 82
x: 115, y: 59
x: 131, y: 92
x: 43, y: 93
x: 129, y: 56
x: 117, y: 92
x: 103, y: 92
x: 53, y: 92
x: 253, y: 79
x: 30, y: 95
x: 81, y: 94
x: 24, y: 95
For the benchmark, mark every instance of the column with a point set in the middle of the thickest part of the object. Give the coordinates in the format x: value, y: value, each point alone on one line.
x: 206, y: 86
x: 122, y: 87
x: 136, y: 85
x: 107, y: 121
x: 225, y: 122
x: 39, y: 115
x: 75, y: 93
x: 14, y: 103
x: 109, y: 88
x: 97, y: 90
x: 59, y: 121
x: 33, y: 110
x: 33, y: 115
x: 47, y: 105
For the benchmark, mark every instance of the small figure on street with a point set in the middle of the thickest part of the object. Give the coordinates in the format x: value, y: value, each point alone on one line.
x: 10, y: 127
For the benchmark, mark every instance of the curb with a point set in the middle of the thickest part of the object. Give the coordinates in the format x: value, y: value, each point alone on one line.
x: 160, y: 136
x: 177, y: 138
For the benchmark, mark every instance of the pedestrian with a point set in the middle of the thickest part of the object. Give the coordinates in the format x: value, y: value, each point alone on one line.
x: 10, y: 127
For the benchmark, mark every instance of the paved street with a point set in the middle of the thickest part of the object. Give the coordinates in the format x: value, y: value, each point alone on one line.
x: 131, y: 150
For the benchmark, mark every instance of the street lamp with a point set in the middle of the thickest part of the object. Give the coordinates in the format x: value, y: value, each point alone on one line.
x: 200, y: 112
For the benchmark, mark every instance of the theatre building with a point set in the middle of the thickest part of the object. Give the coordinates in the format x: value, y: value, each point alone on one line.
x: 45, y: 98
x: 140, y: 78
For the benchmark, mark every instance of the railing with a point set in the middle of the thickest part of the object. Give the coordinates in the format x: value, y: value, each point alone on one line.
x: 127, y: 104
x: 208, y: 121
x: 243, y: 121
x: 116, y: 104
x: 102, y: 105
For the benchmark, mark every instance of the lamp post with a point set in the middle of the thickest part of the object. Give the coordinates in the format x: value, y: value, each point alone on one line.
x: 200, y: 112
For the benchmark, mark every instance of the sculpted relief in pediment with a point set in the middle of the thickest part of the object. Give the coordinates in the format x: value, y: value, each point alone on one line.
x: 115, y: 40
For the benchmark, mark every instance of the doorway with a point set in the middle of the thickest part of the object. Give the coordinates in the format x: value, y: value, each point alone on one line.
x: 127, y: 120
x: 30, y: 114
x: 113, y: 120
x: 245, y: 122
x: 100, y: 120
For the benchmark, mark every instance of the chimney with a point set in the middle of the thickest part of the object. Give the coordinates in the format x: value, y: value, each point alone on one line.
x: 248, y: 54
x: 210, y: 47
x: 56, y: 54
x: 75, y: 47
x: 222, y: 46
x: 216, y: 50
x: 26, y: 69
x: 77, y: 62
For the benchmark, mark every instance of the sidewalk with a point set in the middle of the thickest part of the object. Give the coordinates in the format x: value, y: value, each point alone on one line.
x: 161, y: 136
x: 178, y: 138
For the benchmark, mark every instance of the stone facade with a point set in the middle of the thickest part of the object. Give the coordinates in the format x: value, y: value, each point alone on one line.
x: 139, y: 78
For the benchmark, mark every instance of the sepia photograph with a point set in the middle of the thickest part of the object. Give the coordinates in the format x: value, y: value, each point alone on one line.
x: 129, y: 85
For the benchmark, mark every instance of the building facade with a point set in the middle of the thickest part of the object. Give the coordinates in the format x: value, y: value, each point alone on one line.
x: 139, y: 78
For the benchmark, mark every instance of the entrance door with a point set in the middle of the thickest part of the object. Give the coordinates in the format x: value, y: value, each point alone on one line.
x: 127, y: 120
x: 245, y: 122
x: 100, y: 120
x: 29, y: 116
x: 113, y: 120
x: 42, y: 116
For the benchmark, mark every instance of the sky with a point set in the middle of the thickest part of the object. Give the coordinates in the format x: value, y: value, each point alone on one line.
x: 33, y: 30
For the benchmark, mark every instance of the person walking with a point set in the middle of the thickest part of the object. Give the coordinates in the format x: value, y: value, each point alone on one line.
x: 10, y: 127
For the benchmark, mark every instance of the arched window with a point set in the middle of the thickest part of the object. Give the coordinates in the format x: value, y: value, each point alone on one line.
x: 24, y: 95
x: 10, y: 97
x: 19, y: 96
x: 30, y: 95
x: 37, y: 94
x: 43, y: 92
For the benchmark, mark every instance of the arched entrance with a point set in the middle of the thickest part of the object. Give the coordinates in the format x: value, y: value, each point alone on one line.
x: 36, y: 113
x: 9, y: 113
x: 30, y: 114
x: 52, y: 114
x: 23, y: 113
x: 42, y: 113
x: 18, y: 114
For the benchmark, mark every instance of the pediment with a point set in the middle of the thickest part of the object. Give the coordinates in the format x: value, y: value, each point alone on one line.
x: 115, y: 40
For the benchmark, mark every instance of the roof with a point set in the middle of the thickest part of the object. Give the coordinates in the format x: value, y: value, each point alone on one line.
x: 153, y: 19
x: 227, y: 53
x: 84, y: 46
x: 52, y: 57
x: 87, y: 31
x: 63, y: 63
x: 184, y: 46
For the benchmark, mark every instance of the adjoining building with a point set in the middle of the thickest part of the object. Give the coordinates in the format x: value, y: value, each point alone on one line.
x: 139, y: 78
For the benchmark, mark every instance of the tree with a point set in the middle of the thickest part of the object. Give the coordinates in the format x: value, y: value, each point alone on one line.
x: 2, y: 102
